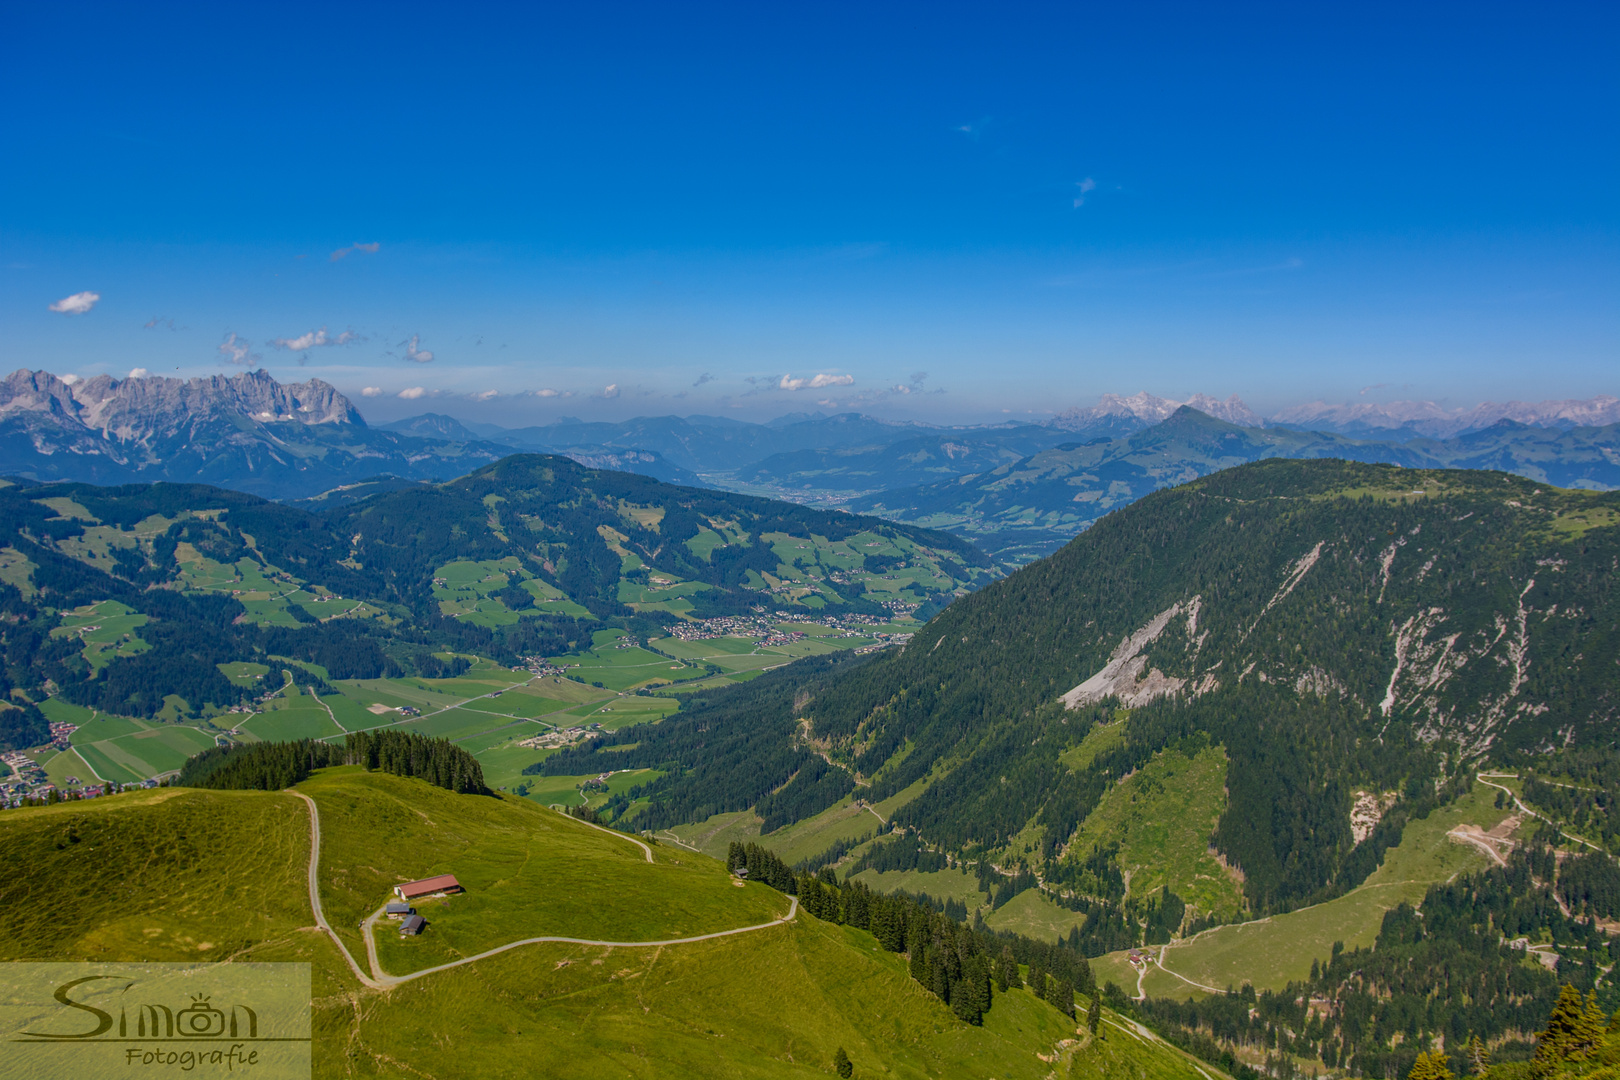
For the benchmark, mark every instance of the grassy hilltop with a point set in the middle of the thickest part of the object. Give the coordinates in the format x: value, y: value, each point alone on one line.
x: 180, y: 874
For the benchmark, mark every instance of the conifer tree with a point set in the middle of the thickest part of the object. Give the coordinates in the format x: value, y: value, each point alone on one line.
x: 1006, y: 970
x: 1063, y: 997
x: 1094, y: 1013
x: 842, y: 1065
x: 1037, y: 982
x: 1479, y: 1059
x: 1430, y: 1067
x: 1573, y: 1030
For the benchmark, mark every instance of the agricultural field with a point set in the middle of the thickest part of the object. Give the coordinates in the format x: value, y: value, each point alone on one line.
x: 612, y: 666
x: 126, y: 750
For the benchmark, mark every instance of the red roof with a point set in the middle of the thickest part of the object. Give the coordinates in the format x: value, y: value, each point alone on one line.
x: 442, y: 883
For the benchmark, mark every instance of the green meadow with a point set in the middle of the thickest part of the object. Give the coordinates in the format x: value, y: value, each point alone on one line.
x: 185, y: 875
x: 1270, y: 952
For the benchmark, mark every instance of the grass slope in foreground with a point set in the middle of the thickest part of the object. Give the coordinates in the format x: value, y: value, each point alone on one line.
x: 178, y: 874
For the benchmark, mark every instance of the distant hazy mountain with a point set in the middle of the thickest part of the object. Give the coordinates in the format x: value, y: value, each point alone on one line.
x: 1413, y: 419
x: 712, y: 443
x: 1113, y: 413
x: 1032, y: 507
x: 432, y: 426
x: 919, y: 459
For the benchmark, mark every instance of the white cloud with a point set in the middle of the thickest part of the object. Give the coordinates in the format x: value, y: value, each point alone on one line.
x: 486, y: 395
x: 827, y: 403
x: 315, y: 339
x: 161, y: 322
x: 371, y: 391
x: 411, y: 393
x: 77, y: 304
x: 70, y: 379
x: 610, y: 391
x: 421, y: 356
x: 816, y: 382
x: 340, y: 253
x: 548, y: 392
x: 1088, y: 184
x: 137, y: 373
x: 237, y: 351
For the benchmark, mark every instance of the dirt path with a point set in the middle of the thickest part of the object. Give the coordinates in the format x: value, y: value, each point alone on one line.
x: 1473, y: 834
x: 379, y: 979
x: 1159, y: 962
x: 1502, y: 787
x: 328, y: 709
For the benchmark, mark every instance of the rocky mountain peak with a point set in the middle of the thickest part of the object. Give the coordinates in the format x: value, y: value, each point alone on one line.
x: 138, y: 409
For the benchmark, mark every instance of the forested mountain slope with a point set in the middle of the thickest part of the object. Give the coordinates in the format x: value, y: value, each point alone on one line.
x: 525, y: 557
x: 1330, y: 626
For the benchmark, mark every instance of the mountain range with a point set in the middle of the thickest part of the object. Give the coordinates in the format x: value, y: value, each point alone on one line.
x: 1018, y: 489
x: 1035, y: 505
x: 247, y: 432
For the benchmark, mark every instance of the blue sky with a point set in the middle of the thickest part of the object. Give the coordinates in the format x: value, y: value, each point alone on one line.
x: 951, y: 213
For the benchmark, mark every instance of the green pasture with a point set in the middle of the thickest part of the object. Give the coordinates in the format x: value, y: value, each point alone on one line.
x: 703, y: 544
x: 1270, y: 952
x: 65, y: 712
x: 1162, y: 818
x: 245, y: 673
x: 947, y: 884
x: 715, y: 835
x: 107, y: 630
x: 1101, y: 738
x: 503, y: 761
x: 291, y: 724
x: 127, y: 750
x: 843, y: 821
x: 186, y: 875
x: 1032, y: 914
x: 528, y: 871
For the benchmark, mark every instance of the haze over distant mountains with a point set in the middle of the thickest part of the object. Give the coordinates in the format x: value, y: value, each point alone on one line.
x: 1019, y: 488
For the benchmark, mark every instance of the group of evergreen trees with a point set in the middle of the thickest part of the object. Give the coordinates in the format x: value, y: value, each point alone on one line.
x: 961, y: 965
x: 275, y: 766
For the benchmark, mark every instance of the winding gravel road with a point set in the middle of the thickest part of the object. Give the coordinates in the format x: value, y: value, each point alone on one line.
x: 378, y: 979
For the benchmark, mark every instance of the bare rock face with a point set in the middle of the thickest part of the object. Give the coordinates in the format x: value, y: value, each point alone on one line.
x: 138, y: 410
x: 245, y: 431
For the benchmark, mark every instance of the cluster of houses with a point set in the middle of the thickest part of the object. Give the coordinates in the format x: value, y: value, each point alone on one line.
x: 883, y: 642
x: 410, y: 923
x: 560, y: 737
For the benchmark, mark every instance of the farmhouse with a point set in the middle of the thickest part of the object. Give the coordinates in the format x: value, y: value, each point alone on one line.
x: 433, y: 886
x: 412, y: 926
x: 399, y: 911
